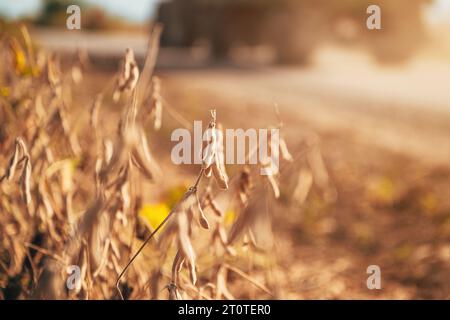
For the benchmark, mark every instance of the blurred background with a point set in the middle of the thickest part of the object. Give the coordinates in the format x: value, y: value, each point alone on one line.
x: 376, y: 102
x: 281, y: 31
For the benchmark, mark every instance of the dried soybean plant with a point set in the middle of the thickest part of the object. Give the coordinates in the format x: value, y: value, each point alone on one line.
x: 47, y: 226
x: 70, y: 190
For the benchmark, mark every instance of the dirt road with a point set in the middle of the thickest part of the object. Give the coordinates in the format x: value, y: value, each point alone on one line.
x: 403, y: 108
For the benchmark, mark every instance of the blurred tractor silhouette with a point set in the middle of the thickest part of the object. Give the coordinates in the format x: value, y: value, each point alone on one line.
x: 293, y: 28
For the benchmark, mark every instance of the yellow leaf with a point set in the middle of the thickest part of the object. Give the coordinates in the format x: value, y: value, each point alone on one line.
x: 20, y: 61
x: 230, y: 215
x: 5, y: 92
x: 154, y: 213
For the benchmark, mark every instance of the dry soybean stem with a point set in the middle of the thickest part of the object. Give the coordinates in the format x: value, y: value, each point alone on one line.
x: 188, y: 193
